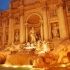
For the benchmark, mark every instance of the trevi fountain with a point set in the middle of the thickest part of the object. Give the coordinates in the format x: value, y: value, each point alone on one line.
x: 35, y: 35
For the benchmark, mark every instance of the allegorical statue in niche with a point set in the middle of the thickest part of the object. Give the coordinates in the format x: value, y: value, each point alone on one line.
x: 32, y: 35
x: 55, y: 31
x: 17, y: 36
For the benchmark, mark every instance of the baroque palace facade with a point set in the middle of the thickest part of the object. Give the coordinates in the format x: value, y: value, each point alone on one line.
x: 49, y: 18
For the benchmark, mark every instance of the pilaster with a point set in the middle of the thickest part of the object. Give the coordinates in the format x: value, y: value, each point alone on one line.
x: 26, y: 27
x: 41, y: 29
x: 10, y: 39
x: 62, y: 25
x: 3, y: 22
x: 45, y: 21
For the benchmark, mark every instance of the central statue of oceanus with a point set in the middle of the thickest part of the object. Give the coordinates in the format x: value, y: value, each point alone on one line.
x: 32, y: 35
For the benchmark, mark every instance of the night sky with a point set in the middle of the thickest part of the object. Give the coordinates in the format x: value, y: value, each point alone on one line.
x: 4, y: 4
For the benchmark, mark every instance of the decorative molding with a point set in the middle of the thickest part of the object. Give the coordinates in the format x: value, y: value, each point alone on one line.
x: 53, y: 13
x: 61, y: 5
x: 26, y: 24
x: 32, y: 6
x: 41, y: 22
x: 16, y: 20
x: 21, y: 13
x: 10, y: 16
x: 50, y: 2
x: 15, y: 4
x: 45, y: 7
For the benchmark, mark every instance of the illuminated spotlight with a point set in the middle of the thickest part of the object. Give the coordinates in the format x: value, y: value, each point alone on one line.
x: 38, y: 69
x: 5, y: 65
x: 63, y: 65
x: 41, y: 52
x: 29, y: 66
x: 15, y: 66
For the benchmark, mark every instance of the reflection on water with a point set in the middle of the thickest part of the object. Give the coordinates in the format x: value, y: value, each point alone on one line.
x: 24, y: 67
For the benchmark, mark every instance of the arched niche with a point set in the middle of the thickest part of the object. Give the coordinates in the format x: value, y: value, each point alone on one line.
x: 33, y: 20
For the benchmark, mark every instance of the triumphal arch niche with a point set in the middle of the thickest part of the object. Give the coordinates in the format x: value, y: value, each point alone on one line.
x: 34, y: 27
x: 48, y: 19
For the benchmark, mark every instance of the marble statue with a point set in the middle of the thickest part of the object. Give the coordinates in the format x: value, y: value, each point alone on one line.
x: 17, y: 36
x: 32, y: 35
x: 55, y: 31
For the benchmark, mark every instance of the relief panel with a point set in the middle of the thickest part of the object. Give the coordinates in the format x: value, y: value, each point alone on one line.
x: 16, y: 21
x: 53, y: 13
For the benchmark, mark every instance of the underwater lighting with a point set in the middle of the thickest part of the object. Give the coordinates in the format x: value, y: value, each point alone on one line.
x: 63, y: 65
x: 29, y: 66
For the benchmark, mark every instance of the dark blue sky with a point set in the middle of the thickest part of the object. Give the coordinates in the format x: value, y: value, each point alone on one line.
x: 4, y: 4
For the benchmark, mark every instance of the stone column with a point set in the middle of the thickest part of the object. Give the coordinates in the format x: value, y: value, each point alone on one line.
x: 41, y: 22
x: 62, y: 26
x: 45, y: 20
x: 22, y: 28
x: 10, y: 29
x: 26, y: 32
x: 4, y: 23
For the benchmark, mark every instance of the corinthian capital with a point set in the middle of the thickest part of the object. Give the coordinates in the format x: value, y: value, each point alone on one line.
x: 10, y: 16
x: 60, y: 5
x: 21, y: 13
x: 4, y: 19
x: 26, y: 24
x: 41, y: 22
x: 45, y: 7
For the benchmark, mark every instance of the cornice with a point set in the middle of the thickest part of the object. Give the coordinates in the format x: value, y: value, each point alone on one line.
x: 4, y: 13
x: 41, y: 4
x: 32, y: 6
